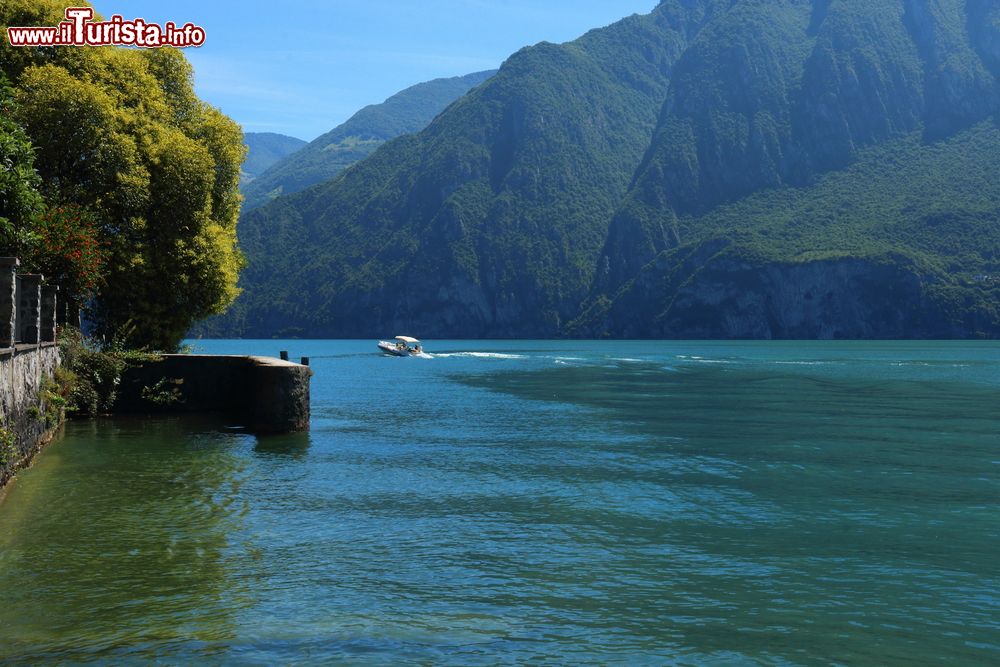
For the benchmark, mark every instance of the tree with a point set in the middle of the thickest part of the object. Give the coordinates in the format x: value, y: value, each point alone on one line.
x: 60, y: 242
x: 19, y: 182
x: 121, y: 133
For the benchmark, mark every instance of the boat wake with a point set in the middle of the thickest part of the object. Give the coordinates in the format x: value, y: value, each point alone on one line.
x: 478, y: 355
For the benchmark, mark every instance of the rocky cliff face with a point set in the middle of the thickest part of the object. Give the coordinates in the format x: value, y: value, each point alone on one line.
x: 774, y: 94
x: 714, y: 292
x: 984, y: 30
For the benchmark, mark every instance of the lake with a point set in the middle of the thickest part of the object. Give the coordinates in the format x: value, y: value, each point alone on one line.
x: 507, y: 502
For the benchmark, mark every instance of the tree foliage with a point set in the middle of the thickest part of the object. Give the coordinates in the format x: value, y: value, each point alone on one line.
x: 19, y: 182
x: 121, y: 133
x: 65, y: 248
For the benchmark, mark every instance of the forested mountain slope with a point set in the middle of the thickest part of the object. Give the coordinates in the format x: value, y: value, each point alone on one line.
x: 489, y: 221
x: 731, y: 168
x: 407, y: 111
x: 264, y: 149
x: 773, y: 96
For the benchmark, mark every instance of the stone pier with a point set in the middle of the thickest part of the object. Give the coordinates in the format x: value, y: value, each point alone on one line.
x: 263, y: 394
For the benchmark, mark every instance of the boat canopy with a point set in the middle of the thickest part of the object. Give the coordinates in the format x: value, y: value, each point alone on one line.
x: 406, y: 339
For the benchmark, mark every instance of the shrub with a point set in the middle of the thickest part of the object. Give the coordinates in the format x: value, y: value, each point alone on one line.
x: 67, y: 250
x: 8, y: 447
x: 91, y: 374
x: 164, y: 392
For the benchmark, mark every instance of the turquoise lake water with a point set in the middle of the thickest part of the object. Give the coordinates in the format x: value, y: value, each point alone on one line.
x: 533, y: 502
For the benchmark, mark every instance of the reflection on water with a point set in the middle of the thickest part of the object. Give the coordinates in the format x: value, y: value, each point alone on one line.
x: 292, y: 445
x: 135, y: 518
x: 570, y: 502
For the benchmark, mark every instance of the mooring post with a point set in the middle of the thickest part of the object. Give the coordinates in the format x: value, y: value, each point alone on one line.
x: 284, y: 355
x: 305, y: 361
x: 8, y: 301
x: 30, y: 308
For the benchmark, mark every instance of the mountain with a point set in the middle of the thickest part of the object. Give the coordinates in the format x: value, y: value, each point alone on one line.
x: 407, y: 111
x: 902, y: 244
x: 488, y: 222
x: 820, y: 170
x: 716, y: 168
x: 266, y: 148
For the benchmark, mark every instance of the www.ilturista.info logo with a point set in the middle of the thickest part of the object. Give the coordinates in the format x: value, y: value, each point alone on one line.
x: 79, y: 30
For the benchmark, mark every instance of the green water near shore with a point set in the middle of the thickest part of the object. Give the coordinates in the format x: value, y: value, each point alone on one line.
x: 547, y: 502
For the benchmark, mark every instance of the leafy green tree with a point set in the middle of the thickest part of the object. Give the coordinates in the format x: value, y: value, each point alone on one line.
x: 121, y: 133
x: 19, y: 182
x: 60, y: 242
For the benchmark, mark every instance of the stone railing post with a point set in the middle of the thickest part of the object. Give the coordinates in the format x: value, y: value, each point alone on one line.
x: 30, y: 307
x: 8, y: 301
x: 48, y: 313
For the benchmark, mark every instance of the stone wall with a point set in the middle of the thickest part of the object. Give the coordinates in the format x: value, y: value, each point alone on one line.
x: 28, y: 358
x: 263, y: 394
x: 23, y: 370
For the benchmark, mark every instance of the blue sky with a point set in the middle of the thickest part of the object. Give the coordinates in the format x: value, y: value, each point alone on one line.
x: 301, y: 67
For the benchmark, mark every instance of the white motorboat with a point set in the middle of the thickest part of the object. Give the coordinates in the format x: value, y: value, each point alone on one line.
x: 404, y: 346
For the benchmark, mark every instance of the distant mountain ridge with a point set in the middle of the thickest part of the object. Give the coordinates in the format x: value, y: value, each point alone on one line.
x: 407, y: 111
x: 264, y: 149
x: 716, y: 168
